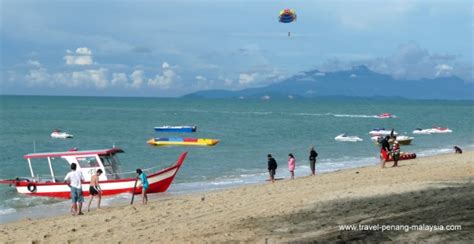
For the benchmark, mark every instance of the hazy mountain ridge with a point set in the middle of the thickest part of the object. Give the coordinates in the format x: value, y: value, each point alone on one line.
x: 356, y: 82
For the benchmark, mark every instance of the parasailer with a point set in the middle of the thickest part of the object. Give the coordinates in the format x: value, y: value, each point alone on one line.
x: 287, y: 16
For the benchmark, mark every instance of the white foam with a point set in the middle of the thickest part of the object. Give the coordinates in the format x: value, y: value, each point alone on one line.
x: 7, y: 211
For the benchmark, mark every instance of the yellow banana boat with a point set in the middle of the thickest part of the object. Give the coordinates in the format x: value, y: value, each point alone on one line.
x: 177, y: 141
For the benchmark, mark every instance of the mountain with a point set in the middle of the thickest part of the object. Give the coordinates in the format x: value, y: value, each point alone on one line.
x: 356, y: 82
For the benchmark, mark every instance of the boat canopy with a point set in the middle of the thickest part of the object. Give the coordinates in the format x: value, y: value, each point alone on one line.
x: 73, y: 153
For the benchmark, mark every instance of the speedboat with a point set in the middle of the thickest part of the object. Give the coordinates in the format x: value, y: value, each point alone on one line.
x: 434, y: 130
x: 422, y: 131
x: 178, y: 141
x: 60, y: 135
x: 88, y: 162
x: 404, y: 140
x: 440, y: 130
x: 385, y: 116
x: 382, y: 132
x: 344, y: 137
x: 168, y: 128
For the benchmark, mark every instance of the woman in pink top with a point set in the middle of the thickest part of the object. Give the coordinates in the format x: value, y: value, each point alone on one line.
x: 291, y: 165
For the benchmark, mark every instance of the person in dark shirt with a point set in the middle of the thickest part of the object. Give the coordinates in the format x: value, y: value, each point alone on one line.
x: 384, y: 151
x: 312, y: 160
x: 272, y: 166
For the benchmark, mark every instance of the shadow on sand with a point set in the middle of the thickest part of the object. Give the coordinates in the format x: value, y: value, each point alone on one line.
x: 446, y: 204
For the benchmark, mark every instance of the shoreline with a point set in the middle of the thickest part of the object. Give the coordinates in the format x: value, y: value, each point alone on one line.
x: 282, y: 211
x: 49, y: 210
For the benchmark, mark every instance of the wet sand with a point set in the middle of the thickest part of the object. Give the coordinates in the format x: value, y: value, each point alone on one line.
x: 436, y: 190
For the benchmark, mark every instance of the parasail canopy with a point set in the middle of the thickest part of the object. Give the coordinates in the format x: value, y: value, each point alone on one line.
x: 287, y: 16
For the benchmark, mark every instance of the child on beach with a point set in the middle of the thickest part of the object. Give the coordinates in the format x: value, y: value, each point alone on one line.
x: 144, y: 182
x: 272, y: 166
x: 94, y: 189
x: 395, y: 153
x: 291, y: 165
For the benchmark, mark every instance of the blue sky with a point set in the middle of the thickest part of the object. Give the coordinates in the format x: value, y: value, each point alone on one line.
x: 171, y: 48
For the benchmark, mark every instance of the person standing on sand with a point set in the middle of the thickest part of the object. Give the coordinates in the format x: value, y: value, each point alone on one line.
x: 144, y: 182
x: 272, y: 166
x: 312, y: 160
x: 395, y: 153
x: 291, y: 165
x: 384, y: 151
x: 74, y: 180
x: 94, y: 189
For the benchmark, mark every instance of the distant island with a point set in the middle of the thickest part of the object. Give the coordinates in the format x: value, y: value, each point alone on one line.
x: 356, y: 82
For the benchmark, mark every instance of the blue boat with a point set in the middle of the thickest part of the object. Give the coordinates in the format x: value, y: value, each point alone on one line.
x: 176, y: 128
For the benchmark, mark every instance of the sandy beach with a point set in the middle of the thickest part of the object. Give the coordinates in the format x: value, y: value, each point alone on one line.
x: 430, y: 191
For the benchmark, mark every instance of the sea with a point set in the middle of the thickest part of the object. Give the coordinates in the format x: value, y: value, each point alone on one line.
x: 248, y: 130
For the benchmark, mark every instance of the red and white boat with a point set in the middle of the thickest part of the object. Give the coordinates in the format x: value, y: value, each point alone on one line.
x: 88, y: 162
x: 385, y: 116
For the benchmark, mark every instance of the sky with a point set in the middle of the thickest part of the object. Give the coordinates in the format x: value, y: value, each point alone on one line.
x: 171, y: 48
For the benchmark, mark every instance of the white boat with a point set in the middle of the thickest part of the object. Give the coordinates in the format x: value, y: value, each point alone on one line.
x: 382, y: 132
x: 440, y: 130
x: 422, y: 131
x: 60, y: 135
x: 344, y: 137
x: 434, y: 130
x: 405, y: 140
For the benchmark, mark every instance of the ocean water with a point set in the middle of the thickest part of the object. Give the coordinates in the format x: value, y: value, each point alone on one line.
x: 248, y: 130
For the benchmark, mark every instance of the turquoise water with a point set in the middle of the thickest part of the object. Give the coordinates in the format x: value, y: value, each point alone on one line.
x: 248, y: 130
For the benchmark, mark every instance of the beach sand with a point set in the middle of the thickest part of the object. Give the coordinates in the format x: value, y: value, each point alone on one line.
x: 436, y: 190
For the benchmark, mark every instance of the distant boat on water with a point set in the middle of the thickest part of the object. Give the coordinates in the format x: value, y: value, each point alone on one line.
x: 168, y: 128
x: 344, y: 137
x: 60, y: 135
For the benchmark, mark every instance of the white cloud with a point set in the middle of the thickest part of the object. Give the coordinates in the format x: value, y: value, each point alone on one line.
x: 119, y: 79
x: 34, y: 63
x: 166, y: 80
x: 78, y: 60
x: 353, y: 75
x: 37, y: 76
x: 137, y: 78
x: 97, y: 78
x: 84, y: 78
x: 246, y: 79
x: 83, y: 51
x: 200, y: 77
x: 82, y: 56
x: 443, y: 69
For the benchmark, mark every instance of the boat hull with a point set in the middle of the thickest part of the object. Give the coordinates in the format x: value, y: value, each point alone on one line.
x: 158, y: 182
x: 176, y: 129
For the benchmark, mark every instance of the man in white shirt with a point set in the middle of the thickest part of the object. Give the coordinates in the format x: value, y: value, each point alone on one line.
x: 74, y: 180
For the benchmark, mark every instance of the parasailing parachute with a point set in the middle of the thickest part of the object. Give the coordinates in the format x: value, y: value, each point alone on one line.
x: 287, y: 16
